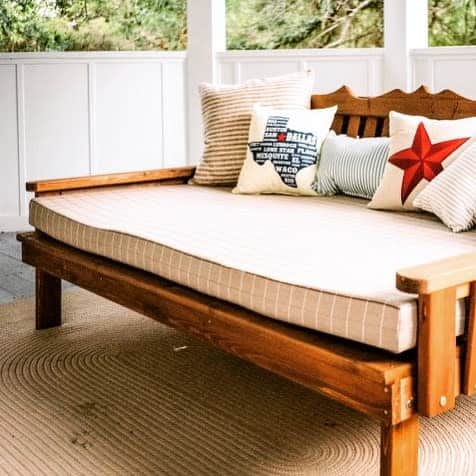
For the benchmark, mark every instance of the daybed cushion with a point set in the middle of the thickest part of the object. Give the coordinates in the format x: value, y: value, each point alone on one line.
x: 325, y: 263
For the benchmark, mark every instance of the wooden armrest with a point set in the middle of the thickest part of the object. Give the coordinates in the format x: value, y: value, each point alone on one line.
x: 93, y: 181
x: 438, y: 275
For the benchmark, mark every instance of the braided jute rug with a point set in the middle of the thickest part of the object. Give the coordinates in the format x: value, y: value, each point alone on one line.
x: 114, y: 393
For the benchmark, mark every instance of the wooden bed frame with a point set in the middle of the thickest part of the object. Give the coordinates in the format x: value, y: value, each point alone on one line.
x: 394, y: 389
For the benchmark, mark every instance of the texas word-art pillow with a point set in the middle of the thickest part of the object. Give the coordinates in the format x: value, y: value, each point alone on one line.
x: 283, y: 150
x: 226, y: 112
x: 420, y: 149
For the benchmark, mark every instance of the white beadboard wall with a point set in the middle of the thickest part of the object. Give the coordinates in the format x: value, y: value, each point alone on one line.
x: 359, y: 68
x: 446, y: 68
x: 66, y: 114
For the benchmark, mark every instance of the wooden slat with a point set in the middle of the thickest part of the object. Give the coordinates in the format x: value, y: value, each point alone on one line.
x: 48, y: 300
x: 370, y: 127
x: 436, y: 352
x: 399, y: 448
x: 385, y: 128
x: 445, y: 273
x: 353, y: 128
x: 458, y: 366
x: 352, y: 374
x: 181, y: 174
x: 458, y: 372
x: 337, y: 124
x: 443, y: 105
x: 469, y: 377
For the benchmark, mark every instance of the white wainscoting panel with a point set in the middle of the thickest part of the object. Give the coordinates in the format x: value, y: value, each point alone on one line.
x: 259, y: 69
x: 9, y: 180
x: 446, y: 68
x: 174, y: 136
x: 128, y: 117
x: 55, y: 120
x: 361, y: 69
x: 67, y: 114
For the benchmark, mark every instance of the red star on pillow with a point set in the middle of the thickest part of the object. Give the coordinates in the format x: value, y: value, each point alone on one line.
x: 423, y: 160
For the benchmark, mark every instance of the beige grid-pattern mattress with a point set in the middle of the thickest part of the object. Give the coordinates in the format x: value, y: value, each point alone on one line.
x: 327, y: 264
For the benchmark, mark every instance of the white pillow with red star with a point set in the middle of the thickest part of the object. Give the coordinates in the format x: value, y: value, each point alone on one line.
x: 420, y: 149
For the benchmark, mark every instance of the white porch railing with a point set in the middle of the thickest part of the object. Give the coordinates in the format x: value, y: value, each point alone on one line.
x: 446, y: 67
x: 360, y: 68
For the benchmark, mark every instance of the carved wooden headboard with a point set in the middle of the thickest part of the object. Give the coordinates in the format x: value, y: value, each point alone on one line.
x: 368, y: 116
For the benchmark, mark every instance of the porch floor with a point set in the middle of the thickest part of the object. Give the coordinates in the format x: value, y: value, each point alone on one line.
x: 17, y: 280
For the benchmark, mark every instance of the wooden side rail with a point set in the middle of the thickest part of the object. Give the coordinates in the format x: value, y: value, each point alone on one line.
x: 439, y: 285
x: 175, y: 175
x: 371, y: 381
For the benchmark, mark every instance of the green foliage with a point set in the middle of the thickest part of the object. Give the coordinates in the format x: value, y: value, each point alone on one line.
x: 452, y: 22
x: 261, y: 24
x: 79, y: 25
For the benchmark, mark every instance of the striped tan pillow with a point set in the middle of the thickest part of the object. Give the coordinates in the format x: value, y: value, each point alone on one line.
x: 226, y: 120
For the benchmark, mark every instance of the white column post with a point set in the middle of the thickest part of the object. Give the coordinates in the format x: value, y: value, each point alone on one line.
x: 405, y: 27
x: 206, y: 30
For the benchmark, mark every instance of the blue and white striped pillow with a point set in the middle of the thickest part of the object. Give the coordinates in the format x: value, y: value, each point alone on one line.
x: 351, y: 166
x: 451, y: 195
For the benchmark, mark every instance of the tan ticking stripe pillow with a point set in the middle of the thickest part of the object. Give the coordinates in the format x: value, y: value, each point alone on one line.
x: 227, y: 112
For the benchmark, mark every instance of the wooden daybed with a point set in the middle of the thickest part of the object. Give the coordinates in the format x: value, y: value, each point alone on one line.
x: 394, y: 389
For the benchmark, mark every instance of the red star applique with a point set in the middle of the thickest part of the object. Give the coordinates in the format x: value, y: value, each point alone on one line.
x: 281, y: 137
x: 423, y: 160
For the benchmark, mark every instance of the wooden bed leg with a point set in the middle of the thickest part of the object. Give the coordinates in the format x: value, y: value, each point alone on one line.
x: 48, y: 300
x: 399, y: 448
x: 437, y: 352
